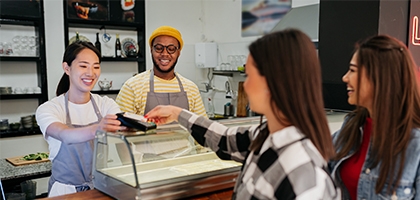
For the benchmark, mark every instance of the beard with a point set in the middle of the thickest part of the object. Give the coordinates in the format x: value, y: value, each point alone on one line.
x: 156, y: 66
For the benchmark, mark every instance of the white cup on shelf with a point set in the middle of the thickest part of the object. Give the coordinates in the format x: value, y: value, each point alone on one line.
x: 28, y: 90
x: 37, y: 90
x: 17, y: 90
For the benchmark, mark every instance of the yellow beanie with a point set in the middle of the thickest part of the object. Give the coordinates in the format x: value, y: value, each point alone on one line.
x: 169, y: 31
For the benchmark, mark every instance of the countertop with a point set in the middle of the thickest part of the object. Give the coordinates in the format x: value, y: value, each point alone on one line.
x: 96, y: 194
x: 10, y: 172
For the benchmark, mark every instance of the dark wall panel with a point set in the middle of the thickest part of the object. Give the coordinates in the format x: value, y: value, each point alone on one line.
x: 341, y: 25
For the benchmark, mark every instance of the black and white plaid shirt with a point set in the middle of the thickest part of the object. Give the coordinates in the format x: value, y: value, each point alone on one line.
x: 288, y: 166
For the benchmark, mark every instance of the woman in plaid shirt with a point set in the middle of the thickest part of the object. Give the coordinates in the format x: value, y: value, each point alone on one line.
x: 286, y: 156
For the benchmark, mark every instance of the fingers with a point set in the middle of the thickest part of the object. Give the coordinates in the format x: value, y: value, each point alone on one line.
x: 111, y: 124
x: 155, y: 112
x: 157, y: 120
x: 163, y: 114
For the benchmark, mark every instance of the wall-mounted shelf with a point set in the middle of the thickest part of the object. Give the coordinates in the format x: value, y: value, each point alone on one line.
x: 227, y: 72
x: 105, y: 91
x: 19, y: 96
x: 19, y: 58
x: 128, y: 59
x: 112, y: 22
x: 107, y: 24
x: 27, y: 13
x: 20, y: 132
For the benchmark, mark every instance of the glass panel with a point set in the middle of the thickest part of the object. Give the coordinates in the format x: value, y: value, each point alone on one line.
x: 168, y: 155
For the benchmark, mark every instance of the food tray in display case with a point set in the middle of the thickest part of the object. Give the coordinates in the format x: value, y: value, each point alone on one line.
x: 166, y: 163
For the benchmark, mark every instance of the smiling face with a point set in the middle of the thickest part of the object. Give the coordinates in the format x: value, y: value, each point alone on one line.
x: 256, y: 88
x: 83, y: 72
x: 164, y: 62
x: 360, y: 94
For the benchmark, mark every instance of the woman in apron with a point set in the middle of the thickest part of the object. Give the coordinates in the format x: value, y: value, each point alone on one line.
x: 69, y: 121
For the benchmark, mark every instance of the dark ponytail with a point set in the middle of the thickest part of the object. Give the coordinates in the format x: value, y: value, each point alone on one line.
x: 63, y: 85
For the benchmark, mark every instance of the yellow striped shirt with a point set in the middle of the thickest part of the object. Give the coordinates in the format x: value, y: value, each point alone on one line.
x: 133, y: 94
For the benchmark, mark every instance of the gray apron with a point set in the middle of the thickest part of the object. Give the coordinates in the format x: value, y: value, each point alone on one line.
x: 154, y: 99
x: 73, y: 163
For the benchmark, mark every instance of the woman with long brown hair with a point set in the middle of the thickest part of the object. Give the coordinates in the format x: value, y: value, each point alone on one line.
x: 378, y: 151
x: 286, y: 156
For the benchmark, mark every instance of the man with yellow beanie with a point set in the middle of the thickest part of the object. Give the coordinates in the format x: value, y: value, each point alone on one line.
x: 161, y: 85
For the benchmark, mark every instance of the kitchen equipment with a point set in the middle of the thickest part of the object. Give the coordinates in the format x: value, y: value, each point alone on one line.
x: 228, y: 90
x: 29, y: 188
x: 228, y: 109
x: 5, y: 90
x: 129, y: 47
x: 4, y: 124
x: 135, y: 121
x: 206, y: 55
x: 105, y: 85
x: 242, y: 101
x: 27, y: 121
x: 14, y: 126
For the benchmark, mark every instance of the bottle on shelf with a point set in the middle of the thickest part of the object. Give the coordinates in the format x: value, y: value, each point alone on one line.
x: 77, y: 36
x: 210, y: 109
x: 97, y: 43
x: 118, y: 47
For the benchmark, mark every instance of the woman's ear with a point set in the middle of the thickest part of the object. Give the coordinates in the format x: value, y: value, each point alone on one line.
x: 66, y: 68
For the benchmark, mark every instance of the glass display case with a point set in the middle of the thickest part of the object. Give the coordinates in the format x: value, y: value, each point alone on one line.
x: 161, y: 164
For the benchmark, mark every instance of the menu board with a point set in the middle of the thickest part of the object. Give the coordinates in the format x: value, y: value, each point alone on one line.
x: 126, y: 10
x: 414, y: 30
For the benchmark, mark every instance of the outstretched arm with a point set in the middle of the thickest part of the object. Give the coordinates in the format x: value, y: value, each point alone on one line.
x: 163, y: 114
x: 71, y: 135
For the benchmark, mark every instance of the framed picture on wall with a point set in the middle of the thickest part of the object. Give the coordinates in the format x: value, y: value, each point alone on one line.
x: 260, y: 16
x: 88, y: 10
x: 131, y: 11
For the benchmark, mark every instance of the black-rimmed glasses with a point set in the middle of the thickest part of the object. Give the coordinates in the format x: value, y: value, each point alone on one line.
x: 170, y: 48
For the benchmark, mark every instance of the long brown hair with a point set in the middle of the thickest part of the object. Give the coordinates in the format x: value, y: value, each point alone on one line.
x: 289, y: 61
x: 396, y: 107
